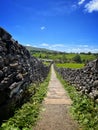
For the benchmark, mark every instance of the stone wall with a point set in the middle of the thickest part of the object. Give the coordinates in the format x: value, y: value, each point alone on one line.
x: 17, y: 70
x: 85, y: 79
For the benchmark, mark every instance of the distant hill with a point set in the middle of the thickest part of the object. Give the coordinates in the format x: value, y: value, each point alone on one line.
x: 35, y: 49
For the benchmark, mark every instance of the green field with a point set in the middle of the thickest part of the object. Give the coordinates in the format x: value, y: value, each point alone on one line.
x: 64, y: 57
x: 83, y: 56
x: 46, y: 63
x: 70, y: 65
x: 61, y: 57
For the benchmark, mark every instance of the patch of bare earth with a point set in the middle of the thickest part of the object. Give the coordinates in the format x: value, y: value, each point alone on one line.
x: 55, y: 114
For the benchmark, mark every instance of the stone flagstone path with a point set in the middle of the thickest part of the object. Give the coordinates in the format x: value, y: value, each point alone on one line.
x: 55, y: 114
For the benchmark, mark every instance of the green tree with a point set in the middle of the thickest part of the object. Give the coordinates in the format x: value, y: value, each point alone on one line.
x: 64, y: 59
x: 40, y: 56
x: 77, y: 58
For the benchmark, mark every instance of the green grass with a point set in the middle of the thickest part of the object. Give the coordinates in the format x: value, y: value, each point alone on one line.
x: 83, y: 109
x: 27, y: 115
x: 46, y: 63
x: 69, y: 56
x: 83, y: 56
x: 70, y: 65
x: 87, y: 57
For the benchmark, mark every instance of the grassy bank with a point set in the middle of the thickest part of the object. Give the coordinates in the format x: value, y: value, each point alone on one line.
x: 27, y: 115
x: 70, y: 65
x: 83, y: 109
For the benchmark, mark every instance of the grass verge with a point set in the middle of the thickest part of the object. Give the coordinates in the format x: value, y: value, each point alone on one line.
x: 46, y: 63
x: 27, y: 115
x: 71, y: 65
x: 83, y: 109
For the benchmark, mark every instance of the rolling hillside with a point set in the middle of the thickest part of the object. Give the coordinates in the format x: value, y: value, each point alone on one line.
x: 30, y: 48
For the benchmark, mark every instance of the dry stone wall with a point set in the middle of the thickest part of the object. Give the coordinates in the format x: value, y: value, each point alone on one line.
x: 17, y: 70
x: 85, y: 79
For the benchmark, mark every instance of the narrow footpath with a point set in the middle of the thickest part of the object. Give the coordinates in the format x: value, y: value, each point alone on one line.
x: 55, y: 114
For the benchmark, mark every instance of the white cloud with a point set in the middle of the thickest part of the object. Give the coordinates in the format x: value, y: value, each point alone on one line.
x: 81, y: 2
x: 92, y: 6
x: 83, y: 46
x: 43, y: 28
x: 45, y: 44
x: 28, y: 45
x: 80, y: 48
x: 58, y: 45
x: 35, y: 46
x: 73, y: 47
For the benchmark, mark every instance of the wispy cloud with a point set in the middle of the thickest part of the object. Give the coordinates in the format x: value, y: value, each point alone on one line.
x: 71, y: 48
x: 45, y: 45
x: 81, y: 2
x: 82, y: 48
x: 76, y: 48
x: 58, y: 45
x: 57, y: 8
x: 54, y: 46
x: 43, y: 28
x: 92, y: 6
x: 28, y: 45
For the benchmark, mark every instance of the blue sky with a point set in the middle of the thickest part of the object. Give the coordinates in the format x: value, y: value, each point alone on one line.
x: 63, y: 25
